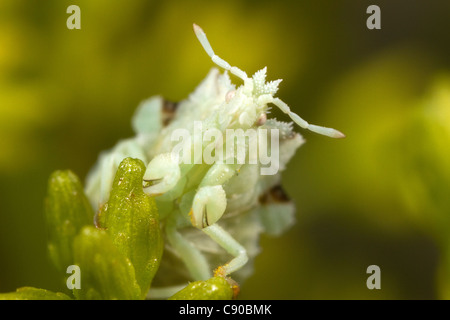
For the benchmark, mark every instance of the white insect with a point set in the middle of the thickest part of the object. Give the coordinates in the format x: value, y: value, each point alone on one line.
x: 228, y: 204
x: 260, y: 92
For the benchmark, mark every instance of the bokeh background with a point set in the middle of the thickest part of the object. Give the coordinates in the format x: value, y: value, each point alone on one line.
x: 381, y: 196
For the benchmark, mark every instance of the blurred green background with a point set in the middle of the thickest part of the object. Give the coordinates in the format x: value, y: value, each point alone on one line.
x: 381, y: 196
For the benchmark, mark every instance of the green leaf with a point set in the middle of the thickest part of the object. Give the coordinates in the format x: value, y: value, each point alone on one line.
x: 130, y: 217
x: 216, y: 288
x: 67, y: 210
x: 105, y: 272
x: 29, y: 293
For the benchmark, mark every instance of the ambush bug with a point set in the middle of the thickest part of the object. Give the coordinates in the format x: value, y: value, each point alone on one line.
x: 229, y: 204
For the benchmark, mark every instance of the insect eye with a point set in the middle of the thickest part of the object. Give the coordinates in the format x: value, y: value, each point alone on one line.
x: 261, y: 120
x: 230, y: 94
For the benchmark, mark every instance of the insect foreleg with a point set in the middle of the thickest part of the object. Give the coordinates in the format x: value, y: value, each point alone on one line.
x: 208, y: 206
x: 210, y: 201
x: 163, y: 173
x: 226, y: 241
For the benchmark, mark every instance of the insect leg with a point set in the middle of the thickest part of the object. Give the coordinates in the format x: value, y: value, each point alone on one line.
x: 201, y: 36
x: 194, y: 260
x: 210, y: 200
x: 163, y: 172
x: 226, y: 241
x: 164, y: 292
x: 208, y: 206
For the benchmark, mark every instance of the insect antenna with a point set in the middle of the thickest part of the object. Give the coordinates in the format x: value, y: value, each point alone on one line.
x: 201, y: 36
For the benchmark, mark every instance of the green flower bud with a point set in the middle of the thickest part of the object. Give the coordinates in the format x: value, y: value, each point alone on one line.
x: 131, y: 219
x: 215, y: 288
x: 67, y: 210
x: 105, y: 272
x: 29, y: 293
